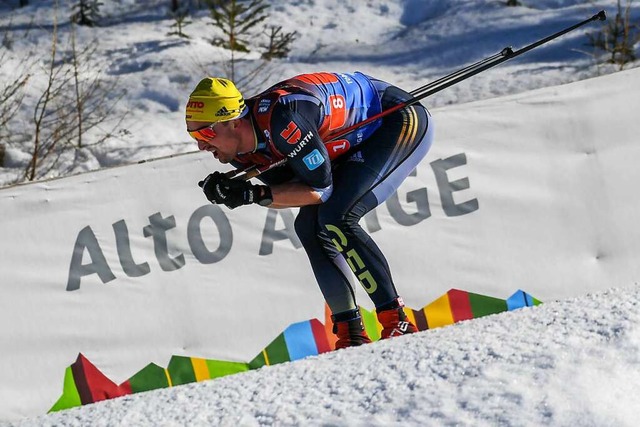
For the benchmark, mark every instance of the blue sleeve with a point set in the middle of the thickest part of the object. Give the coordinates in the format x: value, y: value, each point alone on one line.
x: 296, y: 136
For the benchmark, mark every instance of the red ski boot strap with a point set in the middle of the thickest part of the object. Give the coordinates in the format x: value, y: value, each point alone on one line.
x: 395, y: 322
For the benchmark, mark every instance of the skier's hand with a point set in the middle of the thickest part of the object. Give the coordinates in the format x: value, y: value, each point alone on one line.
x: 224, y: 191
x: 233, y: 193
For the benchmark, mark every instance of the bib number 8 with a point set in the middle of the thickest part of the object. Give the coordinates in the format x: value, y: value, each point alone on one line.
x: 338, y: 115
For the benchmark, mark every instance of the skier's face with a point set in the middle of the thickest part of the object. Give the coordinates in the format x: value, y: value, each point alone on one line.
x: 217, y: 138
x: 202, y: 133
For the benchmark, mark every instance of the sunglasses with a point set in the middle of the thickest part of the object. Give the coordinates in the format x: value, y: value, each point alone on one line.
x: 205, y: 133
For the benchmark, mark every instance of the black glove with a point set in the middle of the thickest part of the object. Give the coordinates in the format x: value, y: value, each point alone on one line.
x: 232, y: 192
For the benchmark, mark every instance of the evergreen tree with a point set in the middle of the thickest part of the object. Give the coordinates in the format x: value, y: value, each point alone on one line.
x: 86, y: 12
x: 180, y: 17
x: 279, y: 44
x: 236, y: 19
x: 240, y: 22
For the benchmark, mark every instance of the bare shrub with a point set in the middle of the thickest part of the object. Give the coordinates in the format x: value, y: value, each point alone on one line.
x: 75, y: 101
x: 617, y: 39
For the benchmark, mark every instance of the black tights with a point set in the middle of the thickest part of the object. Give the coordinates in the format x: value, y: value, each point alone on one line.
x: 334, y: 241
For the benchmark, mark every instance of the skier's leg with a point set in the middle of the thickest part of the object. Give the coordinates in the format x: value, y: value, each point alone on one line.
x: 335, y: 280
x: 363, y: 182
x: 330, y: 233
x: 330, y: 270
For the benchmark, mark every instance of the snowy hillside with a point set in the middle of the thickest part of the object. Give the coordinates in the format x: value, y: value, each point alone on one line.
x: 407, y: 42
x: 568, y: 362
x: 572, y: 362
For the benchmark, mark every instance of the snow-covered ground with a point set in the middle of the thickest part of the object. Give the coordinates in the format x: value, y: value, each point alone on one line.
x: 574, y: 362
x: 407, y: 42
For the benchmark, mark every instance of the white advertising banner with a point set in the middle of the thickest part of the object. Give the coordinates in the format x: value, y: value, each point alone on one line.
x: 132, y: 265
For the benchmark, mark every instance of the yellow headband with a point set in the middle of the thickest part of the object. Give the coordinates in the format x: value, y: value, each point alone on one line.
x: 215, y: 100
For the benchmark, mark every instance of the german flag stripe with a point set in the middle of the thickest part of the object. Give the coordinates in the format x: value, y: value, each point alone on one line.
x: 405, y: 140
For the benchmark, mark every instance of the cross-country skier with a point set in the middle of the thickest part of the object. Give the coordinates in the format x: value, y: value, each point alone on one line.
x: 334, y: 184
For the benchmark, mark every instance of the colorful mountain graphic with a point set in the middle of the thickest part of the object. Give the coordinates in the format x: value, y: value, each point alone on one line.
x: 84, y: 383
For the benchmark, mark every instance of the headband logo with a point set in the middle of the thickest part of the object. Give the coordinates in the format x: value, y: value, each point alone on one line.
x: 195, y: 104
x: 223, y: 112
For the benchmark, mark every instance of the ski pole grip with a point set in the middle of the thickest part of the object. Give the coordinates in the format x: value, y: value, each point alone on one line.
x: 251, y: 174
x: 236, y: 172
x: 507, y: 51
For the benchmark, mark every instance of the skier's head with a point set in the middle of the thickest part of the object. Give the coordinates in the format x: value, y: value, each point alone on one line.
x: 212, y: 118
x: 215, y: 100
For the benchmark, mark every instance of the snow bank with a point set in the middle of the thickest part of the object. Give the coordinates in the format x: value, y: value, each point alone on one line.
x: 571, y: 362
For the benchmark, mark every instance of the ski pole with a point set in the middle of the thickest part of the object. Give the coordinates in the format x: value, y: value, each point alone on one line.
x: 418, y: 94
x: 247, y: 169
x: 510, y: 54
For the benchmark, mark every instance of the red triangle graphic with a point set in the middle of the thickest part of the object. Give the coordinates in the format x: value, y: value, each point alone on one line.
x: 93, y: 385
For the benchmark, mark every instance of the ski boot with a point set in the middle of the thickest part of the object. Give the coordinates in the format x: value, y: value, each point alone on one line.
x: 349, y: 329
x: 393, y: 320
